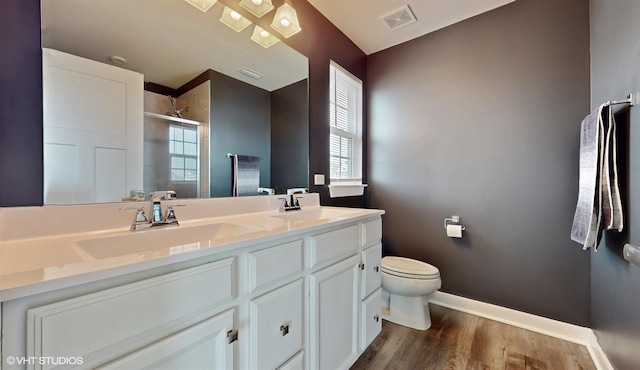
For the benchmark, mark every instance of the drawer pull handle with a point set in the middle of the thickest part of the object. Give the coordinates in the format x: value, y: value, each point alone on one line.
x: 361, y: 266
x: 232, y: 335
x: 376, y: 268
x: 284, y: 329
x: 376, y: 318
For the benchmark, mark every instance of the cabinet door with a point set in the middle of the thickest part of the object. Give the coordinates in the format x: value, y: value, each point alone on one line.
x: 130, y: 316
x: 334, y: 315
x: 203, y: 346
x: 276, y: 325
x: 371, y: 318
x: 371, y: 274
x: 371, y: 232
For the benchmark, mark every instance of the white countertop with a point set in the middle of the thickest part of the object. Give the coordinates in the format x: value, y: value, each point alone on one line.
x: 46, y: 262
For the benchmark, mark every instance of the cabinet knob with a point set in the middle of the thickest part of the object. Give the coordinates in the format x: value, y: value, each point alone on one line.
x: 376, y: 318
x: 232, y: 335
x: 284, y: 329
x: 376, y: 268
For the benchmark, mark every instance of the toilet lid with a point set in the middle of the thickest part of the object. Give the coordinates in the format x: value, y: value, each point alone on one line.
x: 409, y: 267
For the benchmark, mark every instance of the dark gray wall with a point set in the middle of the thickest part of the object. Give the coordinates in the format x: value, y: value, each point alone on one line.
x: 237, y: 129
x: 290, y: 137
x: 615, y: 284
x: 481, y: 120
x: 21, y: 175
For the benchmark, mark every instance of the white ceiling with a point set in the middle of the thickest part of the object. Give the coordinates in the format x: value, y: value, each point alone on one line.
x: 361, y: 20
x: 169, y: 41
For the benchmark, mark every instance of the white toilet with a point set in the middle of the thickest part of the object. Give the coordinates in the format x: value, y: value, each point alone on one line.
x: 408, y: 282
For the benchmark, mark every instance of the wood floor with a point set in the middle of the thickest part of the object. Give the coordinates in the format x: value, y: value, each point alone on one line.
x: 457, y: 340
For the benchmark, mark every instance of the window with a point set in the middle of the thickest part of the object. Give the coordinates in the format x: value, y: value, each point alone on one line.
x: 345, y: 142
x: 183, y: 148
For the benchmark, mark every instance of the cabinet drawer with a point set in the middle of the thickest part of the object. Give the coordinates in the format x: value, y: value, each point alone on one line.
x: 108, y: 324
x: 294, y: 363
x: 272, y: 264
x: 202, y: 346
x: 276, y: 325
x: 371, y: 274
x: 371, y: 319
x: 334, y: 245
x: 371, y: 232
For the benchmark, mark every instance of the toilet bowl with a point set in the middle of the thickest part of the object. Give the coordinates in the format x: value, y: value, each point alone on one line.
x: 408, y: 282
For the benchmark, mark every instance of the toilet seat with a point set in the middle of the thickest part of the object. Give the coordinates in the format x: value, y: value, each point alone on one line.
x: 409, y: 268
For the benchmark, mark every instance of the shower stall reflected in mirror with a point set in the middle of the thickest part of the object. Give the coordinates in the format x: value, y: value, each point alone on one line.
x: 176, y: 146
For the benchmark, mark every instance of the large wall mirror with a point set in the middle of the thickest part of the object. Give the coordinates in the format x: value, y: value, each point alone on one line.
x: 157, y: 95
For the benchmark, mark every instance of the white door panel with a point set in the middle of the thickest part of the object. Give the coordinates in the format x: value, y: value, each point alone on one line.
x: 98, y: 109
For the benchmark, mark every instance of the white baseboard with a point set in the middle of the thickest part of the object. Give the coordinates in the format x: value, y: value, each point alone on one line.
x: 558, y: 329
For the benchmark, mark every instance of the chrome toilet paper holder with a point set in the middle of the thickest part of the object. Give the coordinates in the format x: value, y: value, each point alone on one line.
x: 452, y: 219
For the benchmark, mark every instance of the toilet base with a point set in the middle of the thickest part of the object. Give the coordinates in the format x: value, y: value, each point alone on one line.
x: 412, y: 312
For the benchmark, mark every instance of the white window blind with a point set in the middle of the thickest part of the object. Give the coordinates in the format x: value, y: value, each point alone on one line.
x: 345, y: 142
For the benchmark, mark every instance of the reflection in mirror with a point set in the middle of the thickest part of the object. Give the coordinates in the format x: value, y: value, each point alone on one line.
x: 229, y: 95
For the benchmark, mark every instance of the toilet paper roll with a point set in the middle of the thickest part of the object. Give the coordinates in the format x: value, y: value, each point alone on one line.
x: 454, y: 231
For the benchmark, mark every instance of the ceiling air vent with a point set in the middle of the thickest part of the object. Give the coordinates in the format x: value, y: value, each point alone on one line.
x: 251, y: 73
x: 399, y: 18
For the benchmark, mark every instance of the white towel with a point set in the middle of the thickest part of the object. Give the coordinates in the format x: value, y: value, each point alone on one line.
x: 585, y: 219
x: 599, y: 205
x: 616, y: 219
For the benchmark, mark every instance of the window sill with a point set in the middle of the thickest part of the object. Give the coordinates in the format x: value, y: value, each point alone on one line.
x: 346, y: 190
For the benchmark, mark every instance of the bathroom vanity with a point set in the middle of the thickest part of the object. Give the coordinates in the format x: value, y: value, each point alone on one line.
x: 238, y: 285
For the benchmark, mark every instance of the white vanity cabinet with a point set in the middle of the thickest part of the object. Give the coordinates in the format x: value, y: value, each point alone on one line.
x: 345, y: 305
x: 334, y: 315
x: 309, y: 300
x: 371, y: 282
x: 206, y: 345
x: 277, y: 326
x: 169, y: 314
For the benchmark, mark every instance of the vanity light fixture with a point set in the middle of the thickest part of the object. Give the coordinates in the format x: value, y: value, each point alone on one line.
x: 263, y: 37
x: 286, y: 20
x: 234, y: 20
x: 257, y: 7
x: 203, y: 5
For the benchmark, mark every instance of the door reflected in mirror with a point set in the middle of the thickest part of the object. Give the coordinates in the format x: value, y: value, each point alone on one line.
x: 189, y: 55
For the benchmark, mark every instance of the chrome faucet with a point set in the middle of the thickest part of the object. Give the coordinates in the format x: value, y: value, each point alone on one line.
x: 290, y: 203
x: 140, y: 221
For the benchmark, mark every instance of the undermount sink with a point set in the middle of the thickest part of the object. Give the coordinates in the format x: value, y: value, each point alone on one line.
x: 153, y: 239
x: 314, y: 214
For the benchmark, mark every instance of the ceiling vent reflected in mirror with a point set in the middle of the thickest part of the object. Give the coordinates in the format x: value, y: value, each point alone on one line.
x: 251, y: 73
x: 203, y: 5
x: 399, y: 18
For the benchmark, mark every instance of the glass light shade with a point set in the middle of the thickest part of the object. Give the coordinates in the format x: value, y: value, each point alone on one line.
x: 234, y: 20
x: 263, y: 37
x: 257, y: 7
x: 286, y: 21
x: 203, y: 5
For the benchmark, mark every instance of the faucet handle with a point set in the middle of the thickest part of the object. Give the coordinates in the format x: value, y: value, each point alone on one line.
x: 140, y: 215
x: 171, y: 214
x: 284, y: 202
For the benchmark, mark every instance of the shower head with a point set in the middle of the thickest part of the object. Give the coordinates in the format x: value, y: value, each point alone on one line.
x: 176, y: 112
